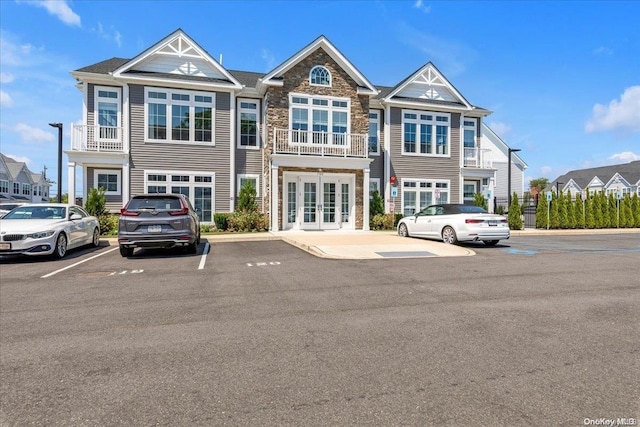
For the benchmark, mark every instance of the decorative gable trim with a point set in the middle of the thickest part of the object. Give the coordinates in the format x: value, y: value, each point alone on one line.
x: 618, y: 178
x: 435, y: 86
x: 177, y: 47
x: 595, y: 182
x: 274, y: 77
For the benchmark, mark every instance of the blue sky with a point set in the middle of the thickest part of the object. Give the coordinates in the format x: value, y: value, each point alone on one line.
x: 562, y: 78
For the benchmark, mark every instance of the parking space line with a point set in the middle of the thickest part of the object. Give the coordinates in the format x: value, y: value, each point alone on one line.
x: 203, y: 259
x: 77, y: 263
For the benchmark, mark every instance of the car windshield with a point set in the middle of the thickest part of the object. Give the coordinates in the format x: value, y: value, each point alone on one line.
x: 37, y: 212
x: 154, y: 203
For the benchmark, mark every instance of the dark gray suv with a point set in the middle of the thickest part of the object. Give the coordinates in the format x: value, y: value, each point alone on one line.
x: 158, y: 221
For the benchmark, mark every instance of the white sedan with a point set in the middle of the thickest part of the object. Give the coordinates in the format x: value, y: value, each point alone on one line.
x: 453, y: 223
x: 47, y: 229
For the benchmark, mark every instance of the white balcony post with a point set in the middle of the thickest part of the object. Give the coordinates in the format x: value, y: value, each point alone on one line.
x: 365, y: 200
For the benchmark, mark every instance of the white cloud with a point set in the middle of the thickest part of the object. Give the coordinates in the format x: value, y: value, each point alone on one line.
x: 602, y: 50
x: 501, y: 129
x: 58, y: 8
x: 625, y: 157
x: 268, y: 58
x: 109, y: 35
x: 419, y: 4
x: 20, y: 158
x: 5, y: 99
x: 31, y: 134
x: 6, y: 78
x: 622, y: 115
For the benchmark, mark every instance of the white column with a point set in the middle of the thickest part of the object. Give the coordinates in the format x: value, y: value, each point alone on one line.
x: 125, y: 190
x: 365, y: 200
x: 71, y: 181
x: 232, y: 151
x: 274, y: 198
x: 387, y: 158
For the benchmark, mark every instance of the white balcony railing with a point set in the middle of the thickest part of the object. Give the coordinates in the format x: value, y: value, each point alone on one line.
x: 299, y: 142
x: 477, y: 158
x: 96, y: 138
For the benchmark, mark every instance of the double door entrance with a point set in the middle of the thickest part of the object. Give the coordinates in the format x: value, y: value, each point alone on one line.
x: 318, y: 201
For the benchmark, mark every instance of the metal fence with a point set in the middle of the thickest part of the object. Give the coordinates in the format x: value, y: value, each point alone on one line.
x: 529, y: 206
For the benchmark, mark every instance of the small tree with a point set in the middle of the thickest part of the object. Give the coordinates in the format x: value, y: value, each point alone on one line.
x: 376, y: 206
x: 578, y: 211
x: 590, y: 216
x: 554, y: 212
x: 515, y: 214
x: 539, y: 184
x: 542, y: 216
x: 626, y: 212
x: 571, y: 219
x: 612, y: 211
x: 247, y: 199
x: 96, y: 202
x: 635, y: 210
x: 479, y: 200
x: 563, y: 220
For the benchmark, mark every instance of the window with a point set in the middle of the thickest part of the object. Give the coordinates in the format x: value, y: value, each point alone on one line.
x: 374, y: 184
x: 469, y: 134
x: 253, y: 179
x: 319, y: 76
x: 470, y: 188
x: 189, y: 114
x: 109, y: 180
x: 16, y: 188
x: 26, y: 189
x: 197, y: 186
x: 4, y: 186
x: 374, y: 133
x: 248, y: 123
x: 418, y: 194
x: 425, y: 133
x: 107, y: 111
x: 328, y: 119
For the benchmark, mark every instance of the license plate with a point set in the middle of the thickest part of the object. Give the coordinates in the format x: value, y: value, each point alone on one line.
x: 5, y: 246
x: 493, y: 222
x: 155, y: 228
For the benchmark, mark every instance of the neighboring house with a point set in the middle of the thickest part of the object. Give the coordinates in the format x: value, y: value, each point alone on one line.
x: 497, y: 157
x: 623, y: 179
x: 17, y: 182
x: 313, y: 135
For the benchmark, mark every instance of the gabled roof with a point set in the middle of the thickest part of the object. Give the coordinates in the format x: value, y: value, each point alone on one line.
x: 501, y: 145
x: 274, y: 76
x: 14, y: 167
x: 104, y: 67
x: 176, y: 56
x: 602, y: 175
x: 427, y: 85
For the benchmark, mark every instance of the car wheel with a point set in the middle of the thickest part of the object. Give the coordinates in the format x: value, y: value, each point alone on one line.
x: 490, y: 242
x: 449, y: 235
x: 198, y: 240
x: 96, y: 237
x: 192, y: 248
x: 125, y: 251
x: 61, y: 246
x: 403, y: 231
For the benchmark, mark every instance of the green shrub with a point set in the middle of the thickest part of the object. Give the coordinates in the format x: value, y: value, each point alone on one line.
x: 220, y: 220
x: 500, y: 211
x: 515, y: 214
x: 96, y: 202
x: 108, y: 224
x: 383, y: 222
x: 578, y: 211
x: 376, y: 206
x: 206, y: 228
x: 479, y: 200
x: 247, y: 221
x: 247, y: 199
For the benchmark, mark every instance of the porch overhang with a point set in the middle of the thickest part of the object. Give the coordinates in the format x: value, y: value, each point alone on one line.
x: 101, y: 158
x: 281, y: 160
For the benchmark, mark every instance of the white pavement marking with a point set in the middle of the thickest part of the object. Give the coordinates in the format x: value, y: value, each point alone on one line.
x: 77, y: 263
x: 203, y: 259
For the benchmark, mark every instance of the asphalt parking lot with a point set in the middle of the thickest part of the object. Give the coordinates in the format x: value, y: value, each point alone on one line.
x: 535, y: 331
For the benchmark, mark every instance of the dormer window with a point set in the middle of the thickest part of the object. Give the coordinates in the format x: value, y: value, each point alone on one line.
x: 320, y: 76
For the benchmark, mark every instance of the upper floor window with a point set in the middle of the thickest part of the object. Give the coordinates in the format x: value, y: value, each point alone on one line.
x: 327, y: 118
x: 470, y: 133
x: 107, y: 110
x: 16, y: 188
x: 188, y: 115
x: 374, y: 132
x: 248, y: 123
x: 26, y: 189
x: 425, y: 133
x: 4, y: 186
x: 320, y: 76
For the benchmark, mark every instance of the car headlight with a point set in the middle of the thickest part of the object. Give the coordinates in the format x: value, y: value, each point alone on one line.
x: 40, y: 235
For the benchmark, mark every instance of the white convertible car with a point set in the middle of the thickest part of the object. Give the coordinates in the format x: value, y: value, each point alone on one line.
x: 47, y: 229
x: 452, y: 223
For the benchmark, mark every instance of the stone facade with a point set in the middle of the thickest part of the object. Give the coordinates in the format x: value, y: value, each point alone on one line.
x: 297, y: 80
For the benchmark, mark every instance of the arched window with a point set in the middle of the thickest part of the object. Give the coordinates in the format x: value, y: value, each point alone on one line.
x: 320, y: 76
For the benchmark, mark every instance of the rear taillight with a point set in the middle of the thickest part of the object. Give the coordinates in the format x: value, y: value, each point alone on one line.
x: 473, y: 221
x: 125, y: 212
x: 503, y: 221
x: 183, y: 211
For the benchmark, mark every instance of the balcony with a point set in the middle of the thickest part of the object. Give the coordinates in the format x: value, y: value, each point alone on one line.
x: 95, y: 138
x: 477, y: 158
x: 300, y: 143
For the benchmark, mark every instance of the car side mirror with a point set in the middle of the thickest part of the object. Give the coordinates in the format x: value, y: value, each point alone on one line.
x: 75, y: 216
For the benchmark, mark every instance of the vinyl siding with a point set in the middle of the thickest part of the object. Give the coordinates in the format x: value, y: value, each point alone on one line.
x: 181, y: 157
x: 114, y: 202
x: 376, y: 168
x: 424, y: 167
x: 502, y: 179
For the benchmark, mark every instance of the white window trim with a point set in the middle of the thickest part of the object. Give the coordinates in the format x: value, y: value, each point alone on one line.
x: 258, y: 124
x: 249, y: 175
x: 4, y: 184
x: 377, y: 120
x: 192, y: 104
x: 116, y: 172
x: 417, y: 189
x: 13, y: 188
x: 328, y: 72
x: 26, y: 187
x: 434, y: 123
x: 310, y: 107
x: 469, y: 127
x: 97, y: 99
x: 377, y: 182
